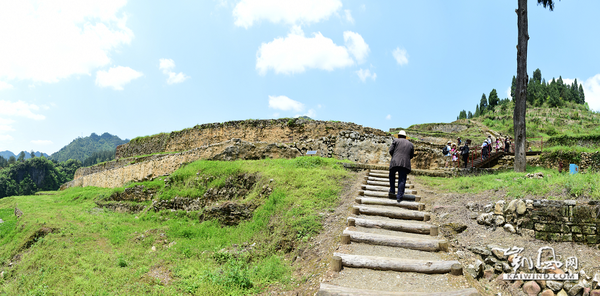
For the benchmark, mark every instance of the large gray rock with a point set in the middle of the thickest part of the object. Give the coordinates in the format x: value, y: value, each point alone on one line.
x: 575, y: 290
x: 554, y: 285
x: 521, y: 207
x: 499, y: 220
x: 511, y: 207
x: 509, y: 228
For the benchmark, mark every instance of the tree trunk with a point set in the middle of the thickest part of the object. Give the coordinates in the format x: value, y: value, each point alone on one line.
x: 521, y: 91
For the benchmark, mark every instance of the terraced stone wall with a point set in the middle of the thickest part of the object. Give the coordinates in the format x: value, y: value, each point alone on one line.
x: 270, y: 131
x: 550, y: 220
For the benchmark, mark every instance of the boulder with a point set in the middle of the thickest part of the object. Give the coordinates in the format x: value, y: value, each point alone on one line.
x: 575, y: 290
x: 480, y: 251
x: 499, y: 207
x: 454, y: 227
x: 499, y: 253
x: 554, y: 285
x: 521, y: 207
x: 531, y: 288
x: 488, y: 208
x: 511, y: 207
x: 562, y: 293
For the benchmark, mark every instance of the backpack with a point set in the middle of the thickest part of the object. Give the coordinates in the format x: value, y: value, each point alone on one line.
x: 445, y: 150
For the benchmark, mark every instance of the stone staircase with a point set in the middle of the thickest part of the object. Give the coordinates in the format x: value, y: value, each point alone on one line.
x: 391, y: 248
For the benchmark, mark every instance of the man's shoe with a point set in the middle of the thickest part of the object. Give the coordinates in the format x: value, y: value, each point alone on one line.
x: 399, y: 200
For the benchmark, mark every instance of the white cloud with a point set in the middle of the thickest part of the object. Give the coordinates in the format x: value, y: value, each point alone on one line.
x: 6, y: 138
x: 275, y: 115
x: 46, y: 41
x: 291, y: 12
x: 591, y: 90
x: 166, y: 65
x: 5, y: 125
x: 19, y: 108
x: 356, y: 45
x: 42, y: 142
x: 401, y: 56
x: 295, y: 53
x: 388, y: 117
x: 508, y: 93
x: 348, y: 16
x: 4, y: 85
x: 284, y: 103
x: 116, y: 77
x: 311, y: 113
x: 366, y: 73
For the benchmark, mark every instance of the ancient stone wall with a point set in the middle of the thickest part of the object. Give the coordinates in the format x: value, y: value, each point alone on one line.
x: 271, y: 131
x: 550, y: 220
x: 587, y: 161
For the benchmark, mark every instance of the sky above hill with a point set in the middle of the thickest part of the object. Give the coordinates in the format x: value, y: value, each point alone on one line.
x: 134, y: 68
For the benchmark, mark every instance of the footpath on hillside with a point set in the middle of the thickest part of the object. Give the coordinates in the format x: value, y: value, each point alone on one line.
x: 391, y: 248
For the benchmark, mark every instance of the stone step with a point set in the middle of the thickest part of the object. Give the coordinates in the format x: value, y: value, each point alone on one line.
x: 385, y: 180
x: 387, y: 184
x: 391, y: 212
x: 399, y: 264
x: 384, y: 175
x: 333, y: 290
x: 395, y: 225
x: 385, y: 189
x: 411, y: 205
x: 407, y: 197
x: 421, y: 244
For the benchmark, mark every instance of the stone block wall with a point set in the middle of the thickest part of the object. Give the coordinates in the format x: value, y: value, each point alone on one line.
x: 550, y: 220
x: 587, y: 161
x: 271, y: 131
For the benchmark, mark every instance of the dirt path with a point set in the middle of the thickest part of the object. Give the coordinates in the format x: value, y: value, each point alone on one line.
x: 358, y: 279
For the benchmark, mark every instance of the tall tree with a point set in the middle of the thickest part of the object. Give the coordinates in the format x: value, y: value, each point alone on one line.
x: 470, y: 115
x: 537, y: 75
x: 21, y: 157
x: 483, y: 103
x: 12, y: 160
x: 581, y: 94
x: 521, y: 89
x: 513, y: 88
x: 32, y: 153
x: 493, y: 99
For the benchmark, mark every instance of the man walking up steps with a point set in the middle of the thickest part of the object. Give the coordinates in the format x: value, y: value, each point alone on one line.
x: 401, y: 151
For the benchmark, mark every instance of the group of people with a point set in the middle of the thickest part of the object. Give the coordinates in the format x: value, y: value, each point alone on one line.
x: 500, y: 144
x: 454, y: 151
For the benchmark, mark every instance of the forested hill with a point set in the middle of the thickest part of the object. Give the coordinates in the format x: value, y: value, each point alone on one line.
x: 82, y: 148
x: 7, y: 154
x: 540, y: 93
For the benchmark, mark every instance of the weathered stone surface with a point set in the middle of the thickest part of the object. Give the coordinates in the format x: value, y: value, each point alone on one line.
x: 499, y: 207
x: 499, y: 253
x: 454, y: 227
x: 509, y: 228
x: 547, y: 292
x: 480, y: 251
x: 488, y: 273
x: 488, y: 208
x: 531, y: 288
x: 499, y: 220
x: 575, y: 290
x: 554, y: 285
x: 562, y: 293
x: 511, y: 207
x: 595, y: 292
x: 521, y: 207
x: 517, y: 284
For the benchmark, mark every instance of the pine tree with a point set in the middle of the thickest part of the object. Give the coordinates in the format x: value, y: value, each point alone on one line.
x: 477, y: 111
x: 483, y: 103
x: 575, y: 92
x: 513, y: 87
x: 493, y: 99
x: 470, y: 115
x: 537, y: 75
x: 581, y: 94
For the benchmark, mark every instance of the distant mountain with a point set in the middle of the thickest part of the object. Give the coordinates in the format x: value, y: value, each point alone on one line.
x: 7, y: 154
x: 82, y: 148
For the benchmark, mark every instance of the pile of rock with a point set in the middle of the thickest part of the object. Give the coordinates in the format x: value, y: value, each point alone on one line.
x: 490, y: 262
x: 503, y: 214
x: 538, y: 175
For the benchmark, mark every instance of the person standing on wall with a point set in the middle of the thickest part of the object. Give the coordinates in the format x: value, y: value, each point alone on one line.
x: 402, y: 151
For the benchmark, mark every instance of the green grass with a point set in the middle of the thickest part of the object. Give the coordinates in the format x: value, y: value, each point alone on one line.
x: 517, y: 185
x: 98, y: 252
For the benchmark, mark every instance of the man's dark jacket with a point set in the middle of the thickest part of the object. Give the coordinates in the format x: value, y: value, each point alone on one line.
x: 401, y: 151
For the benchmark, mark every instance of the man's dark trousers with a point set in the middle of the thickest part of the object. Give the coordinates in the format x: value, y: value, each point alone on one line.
x: 402, y: 173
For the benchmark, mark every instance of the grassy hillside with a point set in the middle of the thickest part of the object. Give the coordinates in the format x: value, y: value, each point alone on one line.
x: 66, y: 244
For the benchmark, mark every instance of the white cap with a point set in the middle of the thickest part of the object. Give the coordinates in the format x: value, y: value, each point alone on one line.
x: 402, y: 133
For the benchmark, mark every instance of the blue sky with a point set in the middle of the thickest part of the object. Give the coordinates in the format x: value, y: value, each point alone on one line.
x: 135, y: 68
